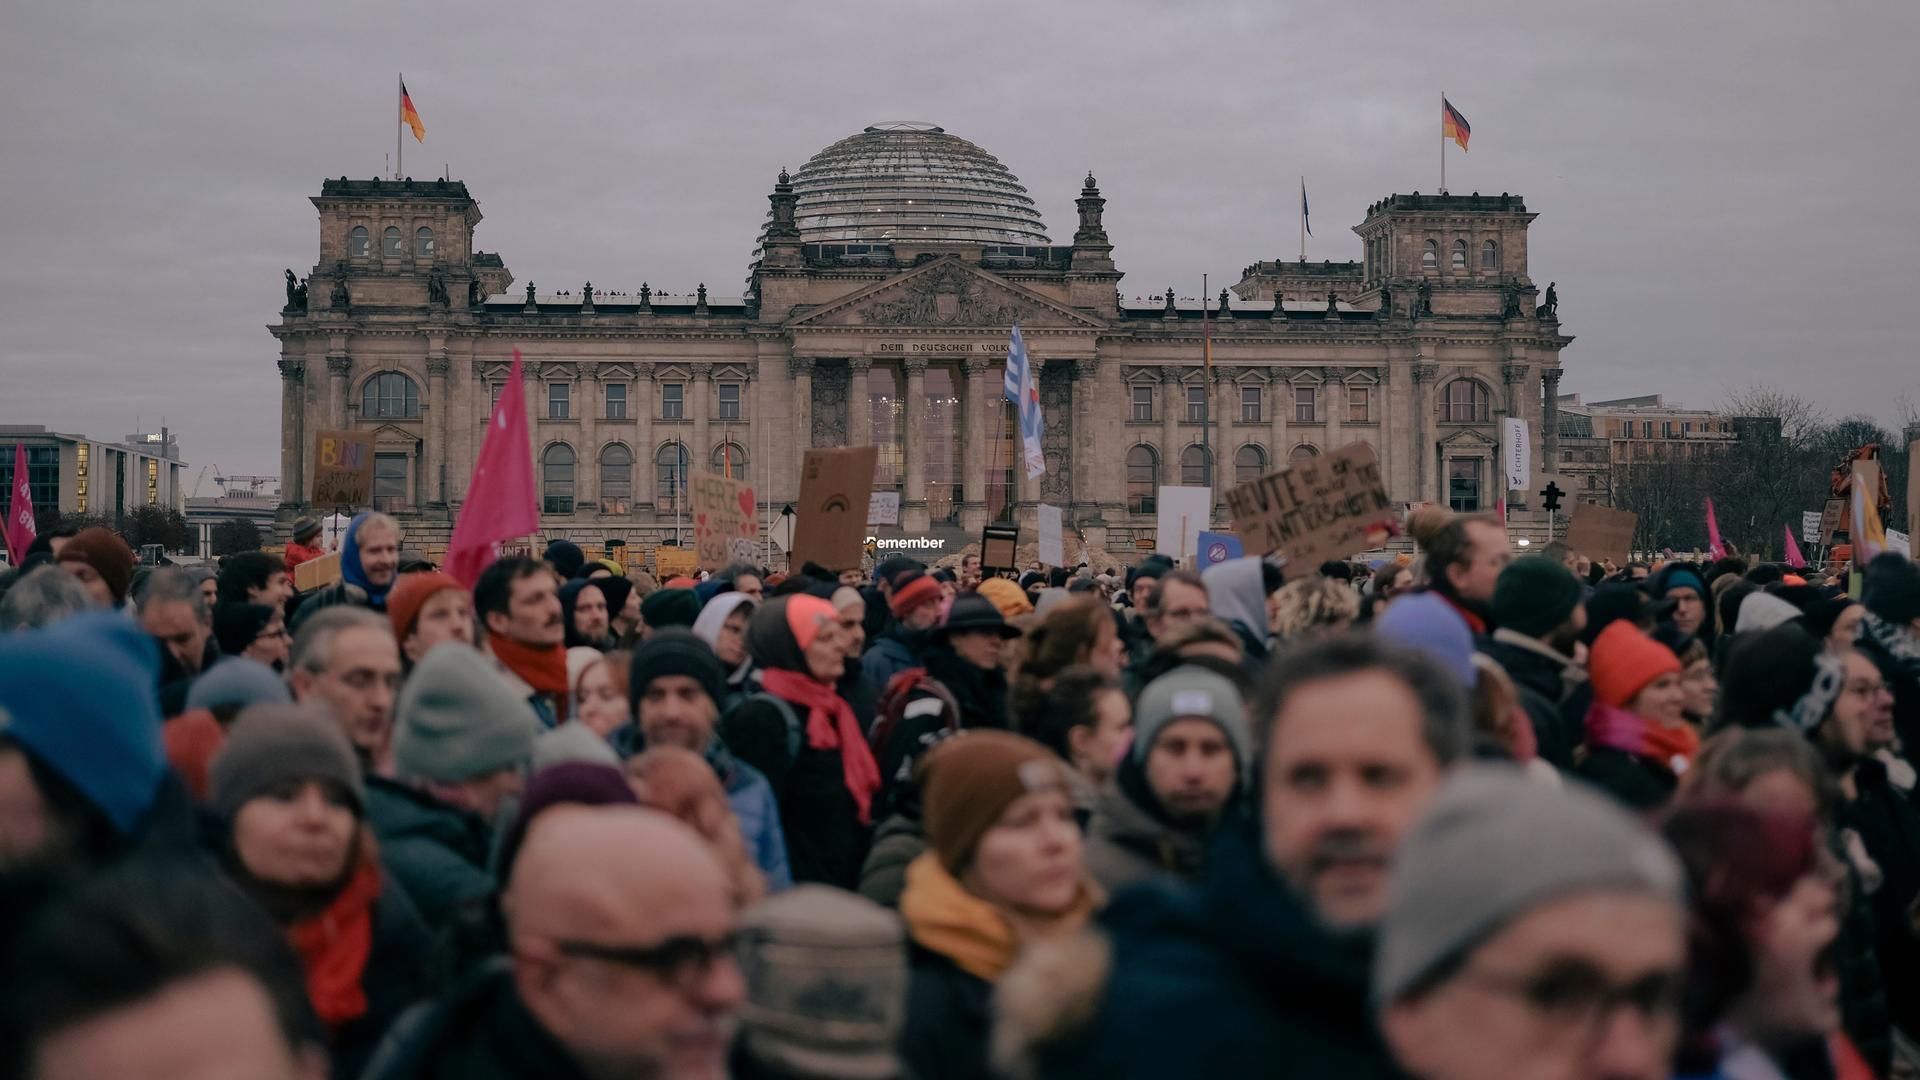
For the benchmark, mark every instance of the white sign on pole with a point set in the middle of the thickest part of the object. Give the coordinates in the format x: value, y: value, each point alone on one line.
x: 1513, y: 449
x: 1184, y: 514
x: 1810, y: 526
x: 1899, y: 543
x: 1053, y: 549
x: 883, y: 508
x: 781, y: 531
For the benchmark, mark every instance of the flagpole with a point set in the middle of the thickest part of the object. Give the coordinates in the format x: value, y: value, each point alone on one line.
x: 399, y: 103
x: 1443, y: 142
x: 1206, y: 395
x: 1303, y: 219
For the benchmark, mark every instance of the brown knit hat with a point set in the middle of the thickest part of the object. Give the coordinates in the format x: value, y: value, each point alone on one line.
x: 968, y: 781
x: 110, y: 557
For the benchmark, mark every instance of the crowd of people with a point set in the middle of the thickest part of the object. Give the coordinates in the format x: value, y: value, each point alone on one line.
x: 1449, y: 815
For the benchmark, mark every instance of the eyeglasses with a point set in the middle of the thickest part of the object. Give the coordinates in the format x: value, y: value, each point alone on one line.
x: 680, y: 962
x: 1578, y: 999
x: 1864, y: 688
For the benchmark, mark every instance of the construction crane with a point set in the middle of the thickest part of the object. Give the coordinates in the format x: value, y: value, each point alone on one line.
x: 198, y: 480
x: 252, y: 484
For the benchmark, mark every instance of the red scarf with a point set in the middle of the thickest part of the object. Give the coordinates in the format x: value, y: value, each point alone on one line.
x: 544, y: 668
x: 334, y: 946
x: 1671, y: 746
x: 831, y: 726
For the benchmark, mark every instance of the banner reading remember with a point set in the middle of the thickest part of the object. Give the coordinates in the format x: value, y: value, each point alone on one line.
x: 1317, y: 510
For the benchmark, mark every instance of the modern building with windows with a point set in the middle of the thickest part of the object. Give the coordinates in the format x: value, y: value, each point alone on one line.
x: 877, y: 303
x: 80, y: 475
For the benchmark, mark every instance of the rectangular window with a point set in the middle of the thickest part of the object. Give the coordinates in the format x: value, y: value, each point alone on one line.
x: 80, y: 475
x: 616, y: 401
x: 1357, y: 405
x: 1143, y: 403
x: 1646, y: 428
x: 493, y: 401
x: 153, y: 481
x: 1196, y: 404
x: 729, y: 401
x: 389, y: 482
x: 1250, y: 404
x: 43, y: 475
x: 1303, y: 401
x: 1686, y: 427
x: 673, y: 401
x: 559, y: 401
x: 1463, y: 484
x: 1666, y: 429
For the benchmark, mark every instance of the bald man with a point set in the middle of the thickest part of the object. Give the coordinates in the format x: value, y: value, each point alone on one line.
x: 620, y: 923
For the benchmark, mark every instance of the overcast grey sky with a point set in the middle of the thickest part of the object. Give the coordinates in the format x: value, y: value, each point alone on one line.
x: 1726, y: 191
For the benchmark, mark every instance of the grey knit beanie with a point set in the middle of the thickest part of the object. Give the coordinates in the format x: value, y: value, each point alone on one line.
x: 1494, y: 846
x: 270, y: 745
x: 1192, y: 691
x: 458, y: 719
x: 238, y: 680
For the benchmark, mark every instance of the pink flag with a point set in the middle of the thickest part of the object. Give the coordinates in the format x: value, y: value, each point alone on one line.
x: 501, y: 503
x: 20, y: 531
x: 1794, y: 558
x: 1714, y: 547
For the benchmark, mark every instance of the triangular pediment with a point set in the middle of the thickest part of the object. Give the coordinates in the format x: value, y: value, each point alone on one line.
x: 947, y: 293
x: 1468, y: 439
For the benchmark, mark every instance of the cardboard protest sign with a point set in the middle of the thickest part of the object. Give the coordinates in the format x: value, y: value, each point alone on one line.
x: 1913, y: 487
x: 1184, y: 512
x: 670, y: 561
x: 1316, y: 510
x: 1832, y: 518
x: 342, y: 468
x: 724, y: 526
x: 1053, y: 548
x: 1600, y: 532
x: 317, y: 573
x: 999, y: 542
x: 835, y: 490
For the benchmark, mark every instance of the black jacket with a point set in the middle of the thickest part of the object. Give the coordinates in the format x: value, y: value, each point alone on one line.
x: 1905, y: 684
x: 479, y: 1032
x: 825, y: 841
x: 1639, y: 783
x: 949, y: 1020
x: 439, y: 855
x: 1889, y: 828
x: 400, y: 971
x: 1557, y: 710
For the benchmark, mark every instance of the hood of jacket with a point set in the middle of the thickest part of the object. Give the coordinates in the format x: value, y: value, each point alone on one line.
x: 1237, y: 595
x: 1121, y: 820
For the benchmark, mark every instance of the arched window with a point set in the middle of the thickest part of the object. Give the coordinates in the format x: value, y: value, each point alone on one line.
x: 1196, y: 466
x: 1430, y: 256
x: 1143, y: 479
x: 616, y: 479
x: 423, y: 243
x: 1249, y: 463
x: 359, y: 243
x: 1303, y: 452
x: 390, y: 396
x: 730, y: 459
x: 556, y: 479
x: 1464, y: 401
x: 390, y: 244
x: 670, y: 474
x: 1489, y: 256
x: 1459, y: 254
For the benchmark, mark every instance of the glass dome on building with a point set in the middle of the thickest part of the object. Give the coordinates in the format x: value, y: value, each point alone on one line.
x: 912, y: 182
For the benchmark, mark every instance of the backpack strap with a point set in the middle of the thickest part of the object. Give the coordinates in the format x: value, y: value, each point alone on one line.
x: 791, y: 719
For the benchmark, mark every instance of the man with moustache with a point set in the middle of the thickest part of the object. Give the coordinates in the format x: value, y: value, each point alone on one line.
x: 519, y: 606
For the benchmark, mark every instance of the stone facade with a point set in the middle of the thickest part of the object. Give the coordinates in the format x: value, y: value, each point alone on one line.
x: 1419, y: 349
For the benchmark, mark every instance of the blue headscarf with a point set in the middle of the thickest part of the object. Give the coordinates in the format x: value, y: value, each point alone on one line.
x: 354, y: 574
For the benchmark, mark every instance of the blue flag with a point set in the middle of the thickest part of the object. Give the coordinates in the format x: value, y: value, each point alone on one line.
x: 1024, y: 391
x: 1218, y: 547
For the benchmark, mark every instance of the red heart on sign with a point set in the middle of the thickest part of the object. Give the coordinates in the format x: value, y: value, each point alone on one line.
x: 746, y: 503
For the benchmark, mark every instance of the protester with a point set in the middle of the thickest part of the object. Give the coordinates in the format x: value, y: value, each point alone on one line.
x: 623, y: 607
x: 678, y: 781
x: 1464, y: 556
x: 723, y: 626
x: 207, y: 580
x: 1522, y: 922
x: 1079, y: 631
x: 304, y: 545
x: 962, y: 687
x: 1170, y: 792
x: 1315, y: 606
x: 255, y: 577
x: 803, y: 737
x: 1680, y: 583
x: 1005, y: 596
x: 674, y: 687
x: 669, y: 605
x: 1638, y: 740
x: 1237, y: 592
x: 583, y: 612
x: 288, y: 793
x: 1890, y: 636
x: 1538, y: 616
x: 1177, y: 599
x: 565, y: 558
x: 426, y: 609
x: 600, y: 695
x: 173, y: 610
x: 101, y: 562
x: 41, y: 596
x: 520, y: 611
x: 1836, y: 620
x: 914, y: 601
x: 346, y: 659
x: 369, y: 567
x: 1006, y: 868
x: 1086, y: 719
x: 618, y: 966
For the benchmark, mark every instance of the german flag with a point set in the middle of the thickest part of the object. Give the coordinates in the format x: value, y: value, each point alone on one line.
x: 411, y: 117
x: 1452, y: 124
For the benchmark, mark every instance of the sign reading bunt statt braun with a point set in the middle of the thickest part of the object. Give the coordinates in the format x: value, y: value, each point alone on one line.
x: 342, y: 468
x: 1317, y: 510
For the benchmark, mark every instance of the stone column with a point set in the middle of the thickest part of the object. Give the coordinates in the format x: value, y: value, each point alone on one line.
x: 293, y: 435
x: 643, y: 448
x: 339, y: 366
x: 1280, y: 394
x: 913, y: 501
x: 437, y: 443
x: 1334, y: 393
x: 702, y: 450
x: 973, y: 511
x: 1550, y: 419
x: 1172, y: 401
x: 1088, y: 462
x: 1222, y: 409
x: 859, y: 402
x: 800, y: 368
x: 1426, y: 481
x: 586, y: 410
x: 1389, y: 467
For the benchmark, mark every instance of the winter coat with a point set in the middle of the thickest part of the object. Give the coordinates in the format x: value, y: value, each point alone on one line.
x: 1889, y: 828
x: 400, y: 972
x: 1553, y: 691
x: 1237, y: 595
x: 1231, y: 978
x: 825, y: 841
x: 437, y: 852
x: 898, y: 841
x: 965, y: 698
x: 478, y: 1032
x: 949, y: 1020
x: 1640, y: 783
x: 1904, y: 681
x: 1863, y: 988
x: 894, y: 652
x: 758, y: 812
x: 1127, y: 843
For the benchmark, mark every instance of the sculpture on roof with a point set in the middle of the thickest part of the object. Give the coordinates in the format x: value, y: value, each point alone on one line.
x: 1386, y: 300
x: 296, y: 293
x: 529, y: 294
x: 437, y: 290
x: 339, y: 297
x: 646, y: 295
x: 586, y: 295
x: 1510, y: 299
x: 1333, y: 302
x: 1550, y: 309
x: 475, y: 294
x: 1424, y: 302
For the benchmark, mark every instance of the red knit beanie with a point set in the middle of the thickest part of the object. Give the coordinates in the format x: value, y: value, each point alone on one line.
x: 914, y: 589
x: 1624, y: 660
x: 410, y: 594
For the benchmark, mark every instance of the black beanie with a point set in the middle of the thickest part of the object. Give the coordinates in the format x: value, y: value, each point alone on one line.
x: 235, y: 626
x: 1892, y: 589
x: 565, y: 557
x: 1154, y: 566
x: 670, y: 607
x: 674, y: 651
x: 1534, y: 596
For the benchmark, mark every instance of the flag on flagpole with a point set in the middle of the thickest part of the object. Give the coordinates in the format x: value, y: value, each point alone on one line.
x: 1306, y: 219
x: 501, y: 503
x: 1452, y: 124
x: 411, y: 116
x: 20, y: 531
x: 1024, y: 391
x: 1714, y: 547
x: 1794, y: 558
x: 1869, y: 534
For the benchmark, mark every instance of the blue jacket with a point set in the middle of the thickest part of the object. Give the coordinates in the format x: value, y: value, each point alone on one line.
x: 759, y: 812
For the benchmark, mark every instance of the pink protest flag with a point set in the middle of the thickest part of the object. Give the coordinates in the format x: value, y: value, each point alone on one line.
x: 20, y: 531
x: 1794, y: 559
x: 1714, y: 547
x: 501, y: 503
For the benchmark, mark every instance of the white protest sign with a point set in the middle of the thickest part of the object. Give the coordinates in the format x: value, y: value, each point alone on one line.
x: 1183, y: 516
x: 1053, y: 550
x: 883, y: 508
x: 1810, y: 527
x: 1899, y: 543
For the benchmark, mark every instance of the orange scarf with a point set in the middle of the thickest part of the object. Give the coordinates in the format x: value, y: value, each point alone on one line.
x: 944, y: 917
x: 334, y: 946
x: 831, y: 725
x: 544, y: 668
x: 1672, y: 746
